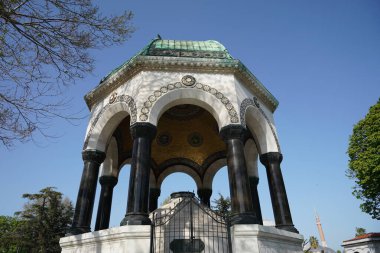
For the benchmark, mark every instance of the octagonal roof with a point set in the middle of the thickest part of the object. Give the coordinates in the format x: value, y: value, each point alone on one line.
x: 183, y: 55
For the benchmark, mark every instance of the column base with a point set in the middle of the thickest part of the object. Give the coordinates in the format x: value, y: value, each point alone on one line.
x: 136, y: 219
x: 289, y: 228
x: 78, y: 230
x: 243, y: 218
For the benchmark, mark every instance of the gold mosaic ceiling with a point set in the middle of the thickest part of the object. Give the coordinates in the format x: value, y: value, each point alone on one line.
x: 184, y: 132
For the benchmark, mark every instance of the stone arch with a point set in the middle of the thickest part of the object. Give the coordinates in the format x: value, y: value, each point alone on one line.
x: 110, y: 166
x: 251, y: 158
x: 254, y: 118
x: 199, y: 94
x: 211, y: 171
x: 179, y: 168
x: 105, y: 122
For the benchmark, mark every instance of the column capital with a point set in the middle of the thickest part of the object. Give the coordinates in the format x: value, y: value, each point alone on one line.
x: 142, y: 129
x: 233, y: 132
x: 108, y: 180
x: 93, y: 156
x: 271, y: 157
x: 254, y: 180
x: 204, y: 192
x: 155, y: 192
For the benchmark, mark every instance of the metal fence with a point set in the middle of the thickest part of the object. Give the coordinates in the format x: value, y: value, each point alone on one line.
x: 189, y: 227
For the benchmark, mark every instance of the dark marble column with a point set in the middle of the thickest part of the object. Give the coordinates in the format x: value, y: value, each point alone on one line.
x: 241, y: 200
x: 154, y: 194
x: 253, y: 182
x: 280, y: 204
x: 86, y: 194
x: 138, y: 194
x: 105, y: 202
x: 204, y: 195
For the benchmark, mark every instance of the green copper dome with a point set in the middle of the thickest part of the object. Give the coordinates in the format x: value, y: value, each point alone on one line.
x: 186, y: 48
x: 211, y: 49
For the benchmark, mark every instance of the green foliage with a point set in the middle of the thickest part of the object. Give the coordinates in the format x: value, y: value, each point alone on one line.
x: 222, y: 205
x: 45, y: 46
x: 38, y: 228
x: 313, y: 242
x: 364, y: 163
x: 9, y: 231
x: 338, y: 251
x: 360, y: 231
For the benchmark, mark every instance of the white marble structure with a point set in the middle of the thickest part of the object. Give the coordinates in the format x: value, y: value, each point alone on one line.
x: 124, y: 239
x: 179, y: 106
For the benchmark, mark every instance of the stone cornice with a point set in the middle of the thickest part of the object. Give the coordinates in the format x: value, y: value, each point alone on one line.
x: 162, y: 63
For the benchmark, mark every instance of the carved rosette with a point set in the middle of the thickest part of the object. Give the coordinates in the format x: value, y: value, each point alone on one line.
x: 114, y: 98
x: 188, y: 82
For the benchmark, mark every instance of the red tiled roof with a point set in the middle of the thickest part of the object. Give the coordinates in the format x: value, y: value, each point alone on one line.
x: 369, y: 235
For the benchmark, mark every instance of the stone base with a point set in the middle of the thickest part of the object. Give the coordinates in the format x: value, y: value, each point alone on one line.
x: 120, y: 239
x: 261, y: 239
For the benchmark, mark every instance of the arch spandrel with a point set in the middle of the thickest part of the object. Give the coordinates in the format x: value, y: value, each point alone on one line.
x: 260, y: 126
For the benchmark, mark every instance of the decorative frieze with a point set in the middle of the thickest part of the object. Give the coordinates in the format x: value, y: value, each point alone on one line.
x: 162, y: 63
x: 187, y: 82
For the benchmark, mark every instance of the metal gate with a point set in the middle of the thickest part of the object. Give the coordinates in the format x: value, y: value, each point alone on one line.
x: 189, y: 227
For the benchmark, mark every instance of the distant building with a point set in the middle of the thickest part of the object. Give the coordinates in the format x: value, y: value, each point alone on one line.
x: 367, y: 243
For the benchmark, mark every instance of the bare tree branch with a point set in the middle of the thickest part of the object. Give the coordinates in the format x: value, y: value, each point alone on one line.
x: 44, y: 47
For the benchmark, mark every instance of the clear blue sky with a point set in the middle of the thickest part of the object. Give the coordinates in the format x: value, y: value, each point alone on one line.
x: 320, y: 59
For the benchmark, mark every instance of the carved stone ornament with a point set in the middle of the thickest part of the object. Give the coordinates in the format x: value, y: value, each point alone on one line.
x: 148, y: 104
x: 112, y: 98
x: 188, y: 80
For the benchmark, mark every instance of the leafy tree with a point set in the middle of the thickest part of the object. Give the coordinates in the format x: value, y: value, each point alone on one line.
x: 338, y: 251
x: 360, y: 231
x: 364, y: 163
x: 44, y: 46
x: 222, y: 205
x: 9, y: 231
x: 46, y: 217
x: 313, y: 242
